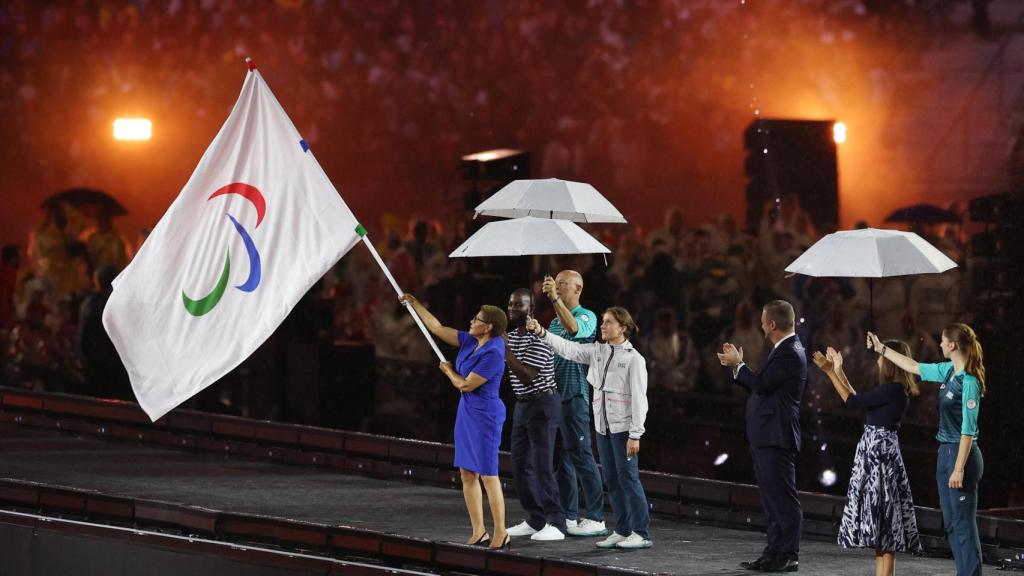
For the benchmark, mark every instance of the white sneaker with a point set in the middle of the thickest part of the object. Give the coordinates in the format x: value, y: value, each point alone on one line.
x: 521, y: 529
x: 586, y: 527
x: 570, y: 523
x: 548, y: 533
x: 635, y: 541
x: 612, y: 539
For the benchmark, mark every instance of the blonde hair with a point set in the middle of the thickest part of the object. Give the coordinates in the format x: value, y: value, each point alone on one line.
x: 890, y: 372
x: 967, y: 342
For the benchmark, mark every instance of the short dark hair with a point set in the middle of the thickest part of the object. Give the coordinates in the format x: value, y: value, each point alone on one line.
x: 496, y: 318
x: 782, y: 313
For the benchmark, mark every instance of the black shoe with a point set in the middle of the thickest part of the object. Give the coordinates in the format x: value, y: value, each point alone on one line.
x: 781, y: 564
x: 483, y: 541
x: 757, y: 565
x: 504, y: 545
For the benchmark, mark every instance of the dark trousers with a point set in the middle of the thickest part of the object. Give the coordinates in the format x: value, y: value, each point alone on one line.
x: 622, y: 474
x: 575, y: 464
x: 775, y: 469
x: 960, y: 507
x: 534, y: 426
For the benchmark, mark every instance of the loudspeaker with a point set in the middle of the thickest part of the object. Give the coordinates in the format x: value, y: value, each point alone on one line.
x: 792, y: 157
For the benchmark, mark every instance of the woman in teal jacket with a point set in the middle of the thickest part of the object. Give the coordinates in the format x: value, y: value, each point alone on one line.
x: 960, y: 464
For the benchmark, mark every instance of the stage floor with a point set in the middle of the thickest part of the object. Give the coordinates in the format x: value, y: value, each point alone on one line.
x: 235, y: 484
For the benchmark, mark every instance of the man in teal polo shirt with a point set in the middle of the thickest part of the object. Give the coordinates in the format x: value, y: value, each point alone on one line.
x: 574, y: 459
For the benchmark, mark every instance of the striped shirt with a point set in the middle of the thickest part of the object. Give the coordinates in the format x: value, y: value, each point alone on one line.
x: 532, y: 352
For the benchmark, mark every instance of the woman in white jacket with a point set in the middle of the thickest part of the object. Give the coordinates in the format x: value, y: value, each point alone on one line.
x: 618, y: 375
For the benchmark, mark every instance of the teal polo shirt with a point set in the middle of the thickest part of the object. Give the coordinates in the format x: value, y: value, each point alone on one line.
x: 959, y: 401
x: 571, y: 377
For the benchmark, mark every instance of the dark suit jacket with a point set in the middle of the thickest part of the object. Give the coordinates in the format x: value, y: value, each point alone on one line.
x: 776, y: 390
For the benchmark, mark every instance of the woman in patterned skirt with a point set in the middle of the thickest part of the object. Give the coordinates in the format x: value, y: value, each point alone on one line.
x: 879, y: 511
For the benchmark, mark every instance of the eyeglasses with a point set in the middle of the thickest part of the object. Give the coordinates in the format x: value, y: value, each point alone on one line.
x: 478, y: 319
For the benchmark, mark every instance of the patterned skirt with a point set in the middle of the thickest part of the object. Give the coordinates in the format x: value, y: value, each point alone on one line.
x: 879, y: 511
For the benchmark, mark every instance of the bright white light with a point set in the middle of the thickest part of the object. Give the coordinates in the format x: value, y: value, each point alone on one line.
x: 488, y: 155
x: 827, y: 477
x: 133, y: 129
x: 839, y: 132
x: 721, y: 459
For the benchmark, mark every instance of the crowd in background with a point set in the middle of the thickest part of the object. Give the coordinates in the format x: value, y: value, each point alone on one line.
x: 638, y: 96
x: 690, y: 287
x: 645, y: 99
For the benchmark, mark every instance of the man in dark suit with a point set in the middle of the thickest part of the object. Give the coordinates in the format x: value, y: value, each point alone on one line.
x: 773, y: 430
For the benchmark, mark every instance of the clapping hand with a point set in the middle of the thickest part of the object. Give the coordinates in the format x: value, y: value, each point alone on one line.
x: 730, y: 356
x: 822, y: 362
x: 833, y: 356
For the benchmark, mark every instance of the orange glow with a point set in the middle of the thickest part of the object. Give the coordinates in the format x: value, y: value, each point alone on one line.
x: 839, y: 132
x: 133, y: 129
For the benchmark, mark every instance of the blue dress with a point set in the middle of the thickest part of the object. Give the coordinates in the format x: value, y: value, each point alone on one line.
x: 481, y: 412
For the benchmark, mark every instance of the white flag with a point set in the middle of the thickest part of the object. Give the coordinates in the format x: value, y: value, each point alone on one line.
x: 255, y: 226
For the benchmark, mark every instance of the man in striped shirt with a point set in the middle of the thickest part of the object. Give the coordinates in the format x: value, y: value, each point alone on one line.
x: 531, y: 365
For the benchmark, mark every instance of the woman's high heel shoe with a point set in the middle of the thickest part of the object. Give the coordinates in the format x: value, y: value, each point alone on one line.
x: 483, y: 541
x: 504, y: 545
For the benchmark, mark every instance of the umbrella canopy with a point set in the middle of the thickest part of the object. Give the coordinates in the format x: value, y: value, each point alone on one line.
x: 871, y: 253
x: 529, y: 236
x: 550, y: 198
x: 87, y: 200
x: 923, y: 214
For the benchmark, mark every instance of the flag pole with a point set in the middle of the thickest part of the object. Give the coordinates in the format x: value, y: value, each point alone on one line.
x: 373, y: 252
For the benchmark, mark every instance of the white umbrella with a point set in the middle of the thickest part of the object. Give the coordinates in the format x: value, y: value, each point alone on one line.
x: 871, y: 253
x: 550, y: 198
x: 529, y: 236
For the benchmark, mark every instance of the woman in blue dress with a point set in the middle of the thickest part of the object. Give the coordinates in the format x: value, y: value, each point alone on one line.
x: 960, y: 465
x: 879, y: 510
x: 477, y: 374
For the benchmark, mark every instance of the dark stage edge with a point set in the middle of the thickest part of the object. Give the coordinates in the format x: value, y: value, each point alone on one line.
x: 300, y: 494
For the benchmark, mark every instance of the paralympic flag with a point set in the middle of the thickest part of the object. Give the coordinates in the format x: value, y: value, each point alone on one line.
x: 257, y: 224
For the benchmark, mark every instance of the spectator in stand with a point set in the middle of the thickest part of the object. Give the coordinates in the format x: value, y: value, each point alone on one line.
x: 106, y: 246
x: 10, y: 264
x: 672, y: 361
x: 105, y: 374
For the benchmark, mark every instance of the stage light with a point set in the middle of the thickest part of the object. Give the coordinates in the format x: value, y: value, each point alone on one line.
x: 721, y: 459
x: 133, y: 129
x: 827, y: 477
x: 839, y: 132
x: 488, y: 155
x: 500, y: 164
